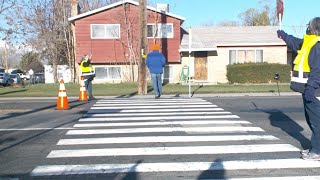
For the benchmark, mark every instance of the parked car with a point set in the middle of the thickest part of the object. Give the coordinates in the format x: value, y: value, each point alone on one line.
x: 2, y: 69
x: 16, y: 78
x: 24, y: 76
x: 5, y: 79
x: 38, y: 78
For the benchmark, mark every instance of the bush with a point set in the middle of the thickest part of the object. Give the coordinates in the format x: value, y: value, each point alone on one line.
x: 257, y: 73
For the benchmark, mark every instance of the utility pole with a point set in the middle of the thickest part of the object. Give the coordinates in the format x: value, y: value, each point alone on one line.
x: 142, y: 89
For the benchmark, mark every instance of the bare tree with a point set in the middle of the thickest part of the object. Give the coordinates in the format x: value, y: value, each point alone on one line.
x: 264, y: 17
x: 89, y: 5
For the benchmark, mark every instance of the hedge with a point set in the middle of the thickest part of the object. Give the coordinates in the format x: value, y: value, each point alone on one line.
x: 255, y: 73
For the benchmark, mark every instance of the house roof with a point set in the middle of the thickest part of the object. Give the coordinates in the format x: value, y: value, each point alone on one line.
x: 74, y: 18
x: 209, y: 38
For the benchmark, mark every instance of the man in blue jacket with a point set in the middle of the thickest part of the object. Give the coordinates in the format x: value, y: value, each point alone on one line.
x: 306, y: 80
x: 155, y: 62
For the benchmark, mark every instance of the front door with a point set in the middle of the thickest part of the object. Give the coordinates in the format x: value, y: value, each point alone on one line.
x: 200, y: 66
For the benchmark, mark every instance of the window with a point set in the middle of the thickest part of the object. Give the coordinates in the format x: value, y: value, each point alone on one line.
x: 105, y: 31
x: 168, y: 72
x: 160, y: 30
x: 245, y: 56
x: 110, y: 73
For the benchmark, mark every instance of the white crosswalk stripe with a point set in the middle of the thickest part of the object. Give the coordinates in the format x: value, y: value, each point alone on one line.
x: 157, y: 131
x: 149, y: 139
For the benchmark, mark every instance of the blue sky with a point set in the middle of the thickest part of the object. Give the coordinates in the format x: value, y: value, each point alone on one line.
x: 297, y: 13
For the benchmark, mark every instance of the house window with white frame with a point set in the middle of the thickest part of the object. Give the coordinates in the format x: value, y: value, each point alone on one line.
x: 105, y: 31
x: 108, y: 73
x: 168, y: 72
x: 245, y: 56
x: 160, y: 30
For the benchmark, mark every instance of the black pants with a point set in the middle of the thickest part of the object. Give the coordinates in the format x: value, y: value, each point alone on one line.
x: 312, y: 113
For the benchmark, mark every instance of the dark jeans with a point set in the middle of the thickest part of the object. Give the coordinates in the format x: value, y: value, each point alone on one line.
x: 88, y: 84
x: 312, y: 113
x: 157, y: 84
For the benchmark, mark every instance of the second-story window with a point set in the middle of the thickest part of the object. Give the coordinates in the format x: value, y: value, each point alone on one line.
x: 105, y: 31
x: 160, y: 30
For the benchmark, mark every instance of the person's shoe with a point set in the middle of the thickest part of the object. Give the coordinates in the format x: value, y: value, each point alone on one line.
x: 311, y: 156
x: 304, y: 151
x: 156, y: 97
x: 91, y: 98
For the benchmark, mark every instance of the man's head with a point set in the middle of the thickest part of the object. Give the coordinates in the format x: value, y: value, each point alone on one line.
x: 84, y: 58
x: 155, y: 47
x: 314, y: 26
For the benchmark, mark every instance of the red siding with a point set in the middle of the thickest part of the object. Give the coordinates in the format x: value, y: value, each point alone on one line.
x: 115, y: 50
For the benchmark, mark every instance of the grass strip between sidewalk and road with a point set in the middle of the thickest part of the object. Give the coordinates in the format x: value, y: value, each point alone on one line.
x: 125, y: 89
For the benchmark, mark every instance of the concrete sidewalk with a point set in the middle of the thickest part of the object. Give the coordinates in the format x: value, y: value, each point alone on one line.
x: 176, y: 95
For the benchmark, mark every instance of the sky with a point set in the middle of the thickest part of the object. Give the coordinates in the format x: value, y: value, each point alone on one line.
x: 297, y: 13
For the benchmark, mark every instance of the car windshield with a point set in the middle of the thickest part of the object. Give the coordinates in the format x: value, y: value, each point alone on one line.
x: 13, y: 75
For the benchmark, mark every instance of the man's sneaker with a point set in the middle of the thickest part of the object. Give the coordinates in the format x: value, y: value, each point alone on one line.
x: 311, y: 156
x: 304, y: 151
x: 156, y: 97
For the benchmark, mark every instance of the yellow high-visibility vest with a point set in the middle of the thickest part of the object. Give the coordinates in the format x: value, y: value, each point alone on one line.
x: 86, y: 69
x: 301, y: 61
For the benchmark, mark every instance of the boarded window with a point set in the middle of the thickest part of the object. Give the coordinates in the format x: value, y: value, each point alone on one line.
x: 105, y: 31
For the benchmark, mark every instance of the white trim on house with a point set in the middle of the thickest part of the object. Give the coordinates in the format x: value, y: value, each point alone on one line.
x: 252, y: 44
x: 120, y: 3
x: 197, y: 49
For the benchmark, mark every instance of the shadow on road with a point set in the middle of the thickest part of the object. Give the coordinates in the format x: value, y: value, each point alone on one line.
x: 132, y: 174
x: 12, y: 115
x: 212, y: 173
x: 281, y: 120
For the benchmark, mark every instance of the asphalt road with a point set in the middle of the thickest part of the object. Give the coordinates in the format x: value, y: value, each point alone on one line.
x: 31, y: 128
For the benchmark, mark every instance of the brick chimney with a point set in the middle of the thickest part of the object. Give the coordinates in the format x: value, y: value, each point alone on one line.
x: 74, y: 8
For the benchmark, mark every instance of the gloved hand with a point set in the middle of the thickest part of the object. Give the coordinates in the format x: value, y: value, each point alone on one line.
x: 281, y: 34
x: 309, y: 94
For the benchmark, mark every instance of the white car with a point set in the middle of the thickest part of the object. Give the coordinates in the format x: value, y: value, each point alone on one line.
x: 23, y: 76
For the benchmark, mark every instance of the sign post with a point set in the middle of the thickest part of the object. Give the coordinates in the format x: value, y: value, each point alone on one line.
x: 190, y: 41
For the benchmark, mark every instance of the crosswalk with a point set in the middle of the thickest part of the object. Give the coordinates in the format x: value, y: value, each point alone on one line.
x: 180, y: 138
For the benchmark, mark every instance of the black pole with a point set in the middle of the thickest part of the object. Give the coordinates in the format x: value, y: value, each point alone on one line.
x: 277, y: 78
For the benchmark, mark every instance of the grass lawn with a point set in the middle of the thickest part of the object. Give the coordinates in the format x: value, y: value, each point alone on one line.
x: 122, y: 89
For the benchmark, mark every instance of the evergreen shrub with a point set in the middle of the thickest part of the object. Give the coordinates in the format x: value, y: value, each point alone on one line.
x: 257, y: 73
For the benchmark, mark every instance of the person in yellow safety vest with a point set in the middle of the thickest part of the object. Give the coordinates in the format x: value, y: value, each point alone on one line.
x: 306, y: 80
x: 88, y: 73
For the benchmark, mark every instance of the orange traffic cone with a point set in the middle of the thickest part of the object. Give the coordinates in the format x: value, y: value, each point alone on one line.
x: 83, y: 92
x: 62, y: 102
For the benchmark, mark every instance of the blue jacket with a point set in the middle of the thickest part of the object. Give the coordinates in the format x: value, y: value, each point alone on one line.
x: 295, y: 44
x: 155, y: 62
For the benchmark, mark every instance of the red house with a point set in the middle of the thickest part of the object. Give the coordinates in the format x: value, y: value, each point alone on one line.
x: 111, y: 33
